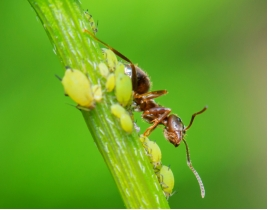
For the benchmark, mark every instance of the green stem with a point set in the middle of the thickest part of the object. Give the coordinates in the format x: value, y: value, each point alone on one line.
x: 64, y: 22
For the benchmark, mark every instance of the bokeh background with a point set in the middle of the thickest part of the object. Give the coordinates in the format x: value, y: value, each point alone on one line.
x: 203, y: 52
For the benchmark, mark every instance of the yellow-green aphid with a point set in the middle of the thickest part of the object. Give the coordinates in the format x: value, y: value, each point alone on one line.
x: 110, y: 58
x: 110, y: 83
x: 126, y: 122
x: 117, y: 110
x: 96, y: 89
x: 77, y: 86
x: 144, y: 140
x: 104, y: 71
x: 123, y: 89
x: 166, y: 179
x: 92, y: 22
x: 120, y: 69
x: 154, y: 154
x: 123, y: 115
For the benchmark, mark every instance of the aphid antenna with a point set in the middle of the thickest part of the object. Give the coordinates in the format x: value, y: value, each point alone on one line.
x: 79, y: 107
x: 71, y: 105
x: 189, y: 163
x: 58, y: 77
x: 134, y: 74
x: 193, y: 116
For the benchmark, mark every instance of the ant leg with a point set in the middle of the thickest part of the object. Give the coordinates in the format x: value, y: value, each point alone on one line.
x: 151, y: 95
x: 159, y: 114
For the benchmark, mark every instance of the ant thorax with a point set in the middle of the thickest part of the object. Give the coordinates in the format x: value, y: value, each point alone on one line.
x: 143, y: 81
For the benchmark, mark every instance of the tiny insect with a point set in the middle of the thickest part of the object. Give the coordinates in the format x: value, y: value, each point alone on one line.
x: 125, y: 119
x: 92, y: 22
x: 110, y: 58
x: 104, y: 71
x: 154, y: 153
x: 110, y: 83
x: 153, y: 113
x: 166, y: 180
x: 77, y: 86
x: 123, y: 89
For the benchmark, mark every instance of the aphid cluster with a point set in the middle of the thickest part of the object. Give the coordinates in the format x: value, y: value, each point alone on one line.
x: 131, y: 85
x: 163, y: 173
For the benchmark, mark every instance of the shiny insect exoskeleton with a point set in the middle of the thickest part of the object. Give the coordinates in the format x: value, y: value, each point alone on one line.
x: 153, y: 113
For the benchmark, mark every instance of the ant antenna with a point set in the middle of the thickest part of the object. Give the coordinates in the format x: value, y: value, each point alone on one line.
x: 134, y: 74
x: 189, y: 163
x: 193, y: 116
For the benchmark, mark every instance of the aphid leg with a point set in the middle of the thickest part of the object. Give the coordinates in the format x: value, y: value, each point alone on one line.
x: 193, y: 116
x: 189, y: 163
x: 155, y: 111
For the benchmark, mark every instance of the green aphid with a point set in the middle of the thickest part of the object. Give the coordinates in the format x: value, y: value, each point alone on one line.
x: 154, y: 153
x: 120, y: 69
x: 110, y: 82
x: 110, y: 58
x: 97, y: 92
x: 117, y: 110
x: 144, y: 140
x: 104, y: 71
x: 77, y: 86
x: 166, y: 179
x: 126, y: 122
x: 90, y: 19
x: 123, y: 115
x: 123, y: 89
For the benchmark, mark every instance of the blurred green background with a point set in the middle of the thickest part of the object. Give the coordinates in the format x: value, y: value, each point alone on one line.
x: 203, y: 52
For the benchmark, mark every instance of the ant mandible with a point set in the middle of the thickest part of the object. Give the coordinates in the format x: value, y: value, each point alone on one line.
x: 153, y: 113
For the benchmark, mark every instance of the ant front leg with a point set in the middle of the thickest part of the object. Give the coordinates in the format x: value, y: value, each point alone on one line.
x: 156, y: 116
x: 151, y: 95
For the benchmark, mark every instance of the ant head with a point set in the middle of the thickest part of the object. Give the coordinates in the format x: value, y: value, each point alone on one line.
x: 174, y: 130
x: 142, y: 80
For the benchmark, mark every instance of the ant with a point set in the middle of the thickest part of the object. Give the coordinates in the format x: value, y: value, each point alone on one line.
x: 153, y: 113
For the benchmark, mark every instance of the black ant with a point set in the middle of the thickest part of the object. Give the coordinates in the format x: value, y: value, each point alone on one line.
x: 153, y: 113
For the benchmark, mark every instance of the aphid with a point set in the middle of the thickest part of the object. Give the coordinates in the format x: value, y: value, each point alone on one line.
x: 153, y: 113
x: 110, y: 58
x: 126, y: 122
x: 153, y: 151
x: 110, y: 83
x: 125, y: 119
x: 166, y: 180
x: 123, y: 89
x: 97, y: 92
x: 104, y: 71
x: 92, y: 22
x: 117, y: 110
x: 78, y: 87
x: 154, y: 154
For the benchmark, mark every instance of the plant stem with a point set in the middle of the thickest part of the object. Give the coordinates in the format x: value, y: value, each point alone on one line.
x: 64, y: 22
